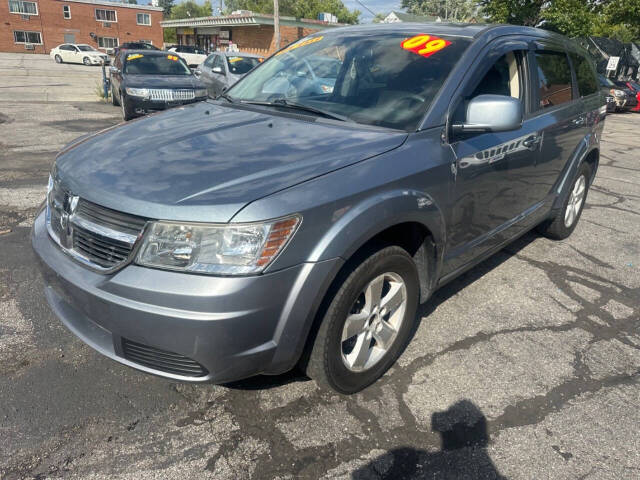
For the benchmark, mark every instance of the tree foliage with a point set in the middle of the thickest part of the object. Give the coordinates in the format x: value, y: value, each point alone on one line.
x: 166, y: 5
x: 450, y: 10
x: 190, y: 9
x: 297, y: 8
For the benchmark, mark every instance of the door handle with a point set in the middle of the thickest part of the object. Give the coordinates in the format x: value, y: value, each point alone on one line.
x: 578, y: 121
x: 531, y: 142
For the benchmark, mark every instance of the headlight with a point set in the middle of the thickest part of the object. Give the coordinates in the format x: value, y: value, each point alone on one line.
x: 215, y: 249
x: 201, y: 92
x: 617, y: 93
x: 137, y: 92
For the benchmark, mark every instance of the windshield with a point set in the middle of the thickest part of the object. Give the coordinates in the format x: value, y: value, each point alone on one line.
x: 386, y: 79
x: 141, y: 64
x: 86, y: 48
x: 241, y: 65
x: 606, y: 82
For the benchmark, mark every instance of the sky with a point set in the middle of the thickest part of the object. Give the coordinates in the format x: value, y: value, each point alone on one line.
x: 378, y: 6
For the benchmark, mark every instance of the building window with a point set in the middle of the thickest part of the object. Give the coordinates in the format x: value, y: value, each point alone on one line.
x: 107, y: 42
x: 23, y: 8
x: 144, y: 19
x: 106, y: 15
x: 66, y: 11
x: 20, y: 36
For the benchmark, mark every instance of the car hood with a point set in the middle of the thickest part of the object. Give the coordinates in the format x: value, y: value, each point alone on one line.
x: 162, y: 81
x: 205, y: 161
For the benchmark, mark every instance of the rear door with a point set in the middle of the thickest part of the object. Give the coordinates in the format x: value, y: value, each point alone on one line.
x: 559, y: 112
x: 493, y: 171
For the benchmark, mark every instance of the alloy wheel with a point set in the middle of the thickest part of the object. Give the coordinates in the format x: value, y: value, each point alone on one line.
x: 575, y: 201
x: 373, y: 322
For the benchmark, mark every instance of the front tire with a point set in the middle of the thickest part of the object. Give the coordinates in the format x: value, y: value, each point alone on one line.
x: 367, y: 324
x: 127, y: 112
x: 86, y: 61
x: 565, y: 220
x: 57, y: 58
x: 114, y: 100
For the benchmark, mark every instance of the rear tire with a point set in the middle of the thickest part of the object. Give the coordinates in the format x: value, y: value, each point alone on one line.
x: 57, y: 58
x: 114, y: 100
x: 565, y: 220
x: 367, y: 324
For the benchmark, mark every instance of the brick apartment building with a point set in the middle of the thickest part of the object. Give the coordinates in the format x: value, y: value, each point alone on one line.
x: 37, y: 26
x: 251, y: 32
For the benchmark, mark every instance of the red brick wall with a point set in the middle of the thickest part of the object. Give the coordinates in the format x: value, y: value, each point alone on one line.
x: 260, y: 39
x: 52, y: 25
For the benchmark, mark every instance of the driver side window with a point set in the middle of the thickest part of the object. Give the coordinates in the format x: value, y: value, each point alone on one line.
x: 503, y: 78
x: 218, y: 62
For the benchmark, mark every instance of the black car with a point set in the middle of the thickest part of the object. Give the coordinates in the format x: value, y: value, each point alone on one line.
x: 623, y: 98
x: 627, y: 87
x: 144, y: 81
x: 133, y: 46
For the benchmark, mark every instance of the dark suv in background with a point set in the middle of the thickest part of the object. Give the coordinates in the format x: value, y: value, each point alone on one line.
x: 285, y: 225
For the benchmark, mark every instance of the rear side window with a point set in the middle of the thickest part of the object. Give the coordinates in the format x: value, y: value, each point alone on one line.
x: 554, y: 78
x: 586, y: 77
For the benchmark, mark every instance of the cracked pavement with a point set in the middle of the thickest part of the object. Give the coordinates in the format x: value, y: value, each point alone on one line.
x: 528, y: 366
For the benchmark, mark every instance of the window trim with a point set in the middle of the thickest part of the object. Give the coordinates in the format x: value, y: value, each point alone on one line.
x: 575, y: 73
x: 21, y: 13
x: 25, y: 42
x: 68, y: 7
x: 144, y: 24
x: 115, y: 14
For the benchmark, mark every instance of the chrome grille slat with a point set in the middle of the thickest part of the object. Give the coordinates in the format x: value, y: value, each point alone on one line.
x: 170, y: 94
x: 101, y: 238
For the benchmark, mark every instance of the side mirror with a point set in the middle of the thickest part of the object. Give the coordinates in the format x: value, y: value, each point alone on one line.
x: 491, y: 113
x: 217, y: 70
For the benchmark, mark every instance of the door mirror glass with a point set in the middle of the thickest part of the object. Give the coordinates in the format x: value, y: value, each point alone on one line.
x: 491, y: 113
x: 217, y: 70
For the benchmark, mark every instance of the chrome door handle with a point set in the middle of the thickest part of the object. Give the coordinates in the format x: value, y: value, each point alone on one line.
x: 531, y: 142
x: 578, y: 121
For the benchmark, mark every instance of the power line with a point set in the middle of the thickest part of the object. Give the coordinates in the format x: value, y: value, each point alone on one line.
x: 366, y: 8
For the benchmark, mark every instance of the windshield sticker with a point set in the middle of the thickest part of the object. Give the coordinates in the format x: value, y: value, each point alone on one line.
x: 303, y: 43
x: 172, y: 57
x: 133, y: 56
x: 235, y: 59
x: 425, y: 45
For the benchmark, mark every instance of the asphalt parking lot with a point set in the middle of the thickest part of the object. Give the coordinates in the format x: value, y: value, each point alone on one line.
x: 526, y: 367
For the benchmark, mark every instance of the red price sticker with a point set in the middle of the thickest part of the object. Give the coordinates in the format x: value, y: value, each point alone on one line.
x: 425, y: 45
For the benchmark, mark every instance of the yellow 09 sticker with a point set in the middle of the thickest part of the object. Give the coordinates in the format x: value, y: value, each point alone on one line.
x: 173, y: 57
x: 424, y: 44
x: 303, y: 43
x: 133, y: 56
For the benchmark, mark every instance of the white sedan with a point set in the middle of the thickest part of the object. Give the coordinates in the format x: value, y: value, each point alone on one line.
x: 78, y: 53
x: 190, y: 54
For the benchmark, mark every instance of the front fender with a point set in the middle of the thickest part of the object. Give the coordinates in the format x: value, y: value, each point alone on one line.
x: 361, y: 222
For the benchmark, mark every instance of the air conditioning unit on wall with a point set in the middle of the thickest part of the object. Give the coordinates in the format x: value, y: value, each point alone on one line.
x: 29, y: 46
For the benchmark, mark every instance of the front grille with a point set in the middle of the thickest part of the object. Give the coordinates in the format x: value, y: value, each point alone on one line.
x: 162, y: 360
x: 169, y: 94
x: 101, y: 238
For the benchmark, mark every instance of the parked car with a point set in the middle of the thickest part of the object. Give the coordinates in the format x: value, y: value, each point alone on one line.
x: 605, y: 87
x: 220, y: 70
x: 258, y: 232
x: 144, y: 81
x: 623, y: 97
x: 78, y: 53
x: 194, y: 56
x: 133, y: 46
x: 633, y: 90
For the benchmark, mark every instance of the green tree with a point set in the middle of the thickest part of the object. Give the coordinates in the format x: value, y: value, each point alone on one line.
x: 516, y: 12
x: 190, y: 9
x: 166, y: 5
x: 574, y: 18
x: 379, y: 17
x: 297, y: 8
x: 450, y: 10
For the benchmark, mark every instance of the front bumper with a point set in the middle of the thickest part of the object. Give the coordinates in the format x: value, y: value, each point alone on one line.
x: 142, y: 106
x: 98, y: 61
x: 234, y: 327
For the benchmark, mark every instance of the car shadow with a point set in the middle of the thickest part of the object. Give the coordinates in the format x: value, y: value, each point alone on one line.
x: 464, y: 440
x: 443, y: 294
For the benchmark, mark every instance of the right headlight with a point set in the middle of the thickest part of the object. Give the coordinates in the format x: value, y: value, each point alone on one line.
x: 137, y: 92
x: 229, y: 249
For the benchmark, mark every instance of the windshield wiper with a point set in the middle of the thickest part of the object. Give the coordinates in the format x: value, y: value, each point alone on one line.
x: 282, y: 102
x: 226, y: 97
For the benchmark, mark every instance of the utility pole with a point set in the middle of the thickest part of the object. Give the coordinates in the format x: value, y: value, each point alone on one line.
x: 276, y: 23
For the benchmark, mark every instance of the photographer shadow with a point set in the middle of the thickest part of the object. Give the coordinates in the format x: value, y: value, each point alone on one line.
x: 463, y: 455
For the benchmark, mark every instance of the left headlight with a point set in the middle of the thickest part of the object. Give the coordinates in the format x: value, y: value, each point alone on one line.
x: 137, y: 92
x: 617, y: 93
x: 216, y: 249
x: 201, y: 92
